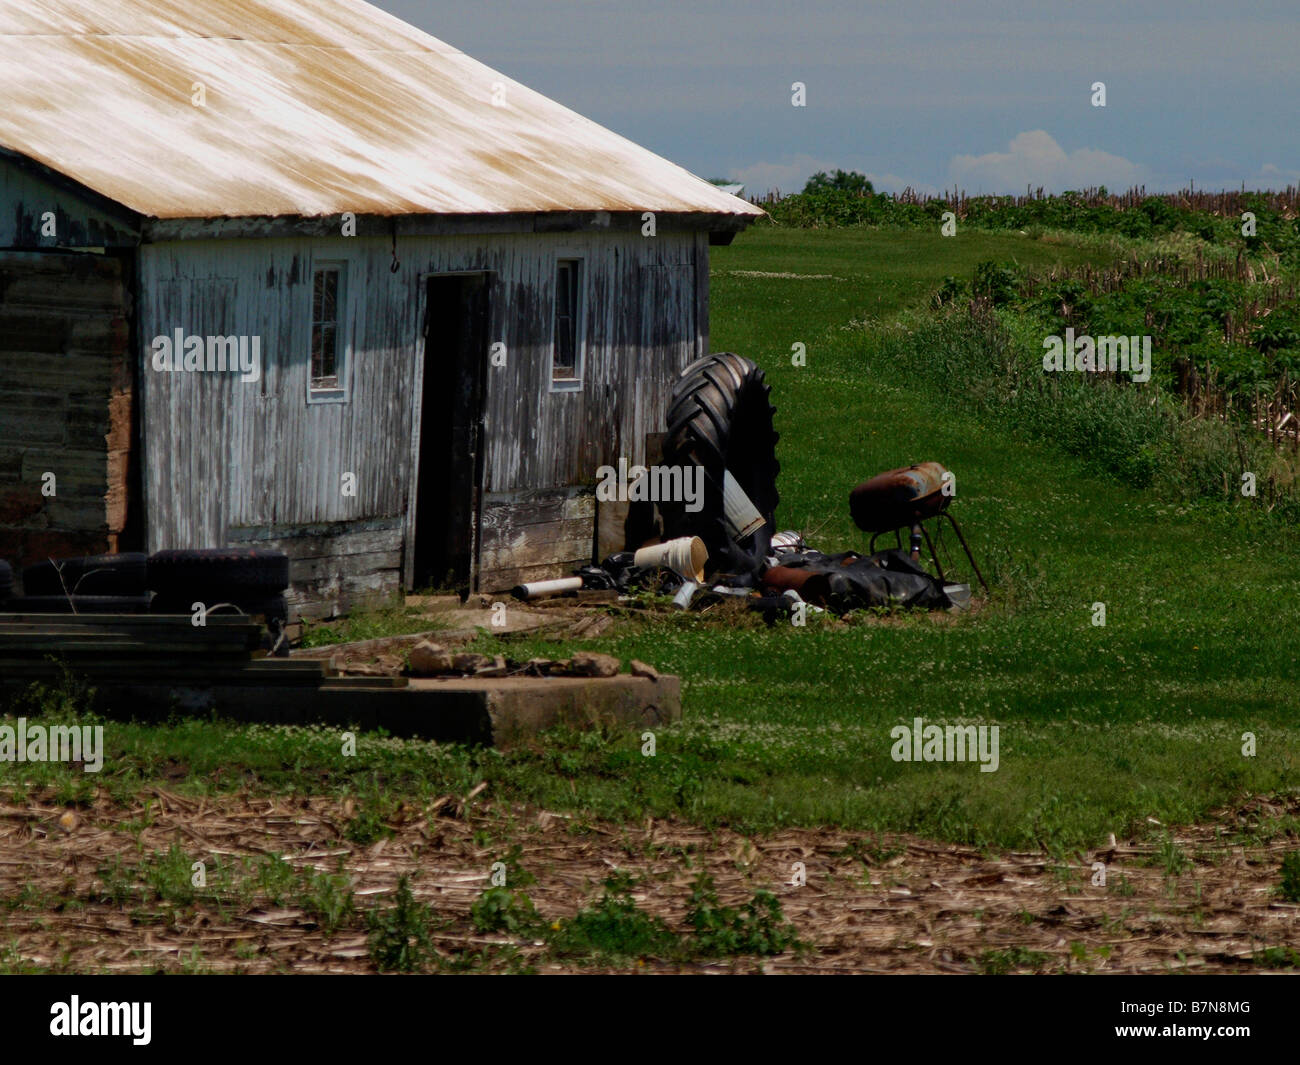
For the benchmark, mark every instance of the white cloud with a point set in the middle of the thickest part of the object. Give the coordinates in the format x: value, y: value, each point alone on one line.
x: 787, y: 176
x: 1035, y: 159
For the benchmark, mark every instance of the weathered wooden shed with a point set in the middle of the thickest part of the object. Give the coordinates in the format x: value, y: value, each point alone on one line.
x: 454, y: 298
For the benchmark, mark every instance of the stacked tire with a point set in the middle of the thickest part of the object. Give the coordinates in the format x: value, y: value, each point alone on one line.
x: 721, y: 417
x: 238, y: 581
x: 241, y: 581
x: 90, y: 584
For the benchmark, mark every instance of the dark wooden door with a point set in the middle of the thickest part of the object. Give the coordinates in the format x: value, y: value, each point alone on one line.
x: 451, y: 426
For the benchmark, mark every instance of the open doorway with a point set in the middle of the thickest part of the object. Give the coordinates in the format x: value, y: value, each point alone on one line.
x: 451, y: 421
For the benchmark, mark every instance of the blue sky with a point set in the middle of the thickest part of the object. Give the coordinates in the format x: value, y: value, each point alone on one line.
x: 988, y: 96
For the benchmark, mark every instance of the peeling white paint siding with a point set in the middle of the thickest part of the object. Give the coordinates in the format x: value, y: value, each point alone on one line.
x: 220, y: 453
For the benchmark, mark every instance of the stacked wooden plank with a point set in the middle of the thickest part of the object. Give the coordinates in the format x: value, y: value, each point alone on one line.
x: 108, y: 649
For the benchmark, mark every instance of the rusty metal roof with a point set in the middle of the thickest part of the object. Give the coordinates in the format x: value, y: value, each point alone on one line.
x: 313, y: 107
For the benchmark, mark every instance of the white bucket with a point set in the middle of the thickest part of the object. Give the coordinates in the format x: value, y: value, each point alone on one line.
x: 682, y: 600
x: 742, y: 516
x: 540, y: 588
x: 685, y: 555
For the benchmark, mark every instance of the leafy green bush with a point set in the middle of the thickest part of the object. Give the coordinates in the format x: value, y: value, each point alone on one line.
x: 1291, y: 877
x: 1277, y: 958
x: 615, y: 927
x: 848, y: 199
x: 500, y: 910
x: 992, y: 360
x: 996, y: 282
x: 950, y: 291
x: 758, y: 927
x: 849, y: 181
x: 400, y: 939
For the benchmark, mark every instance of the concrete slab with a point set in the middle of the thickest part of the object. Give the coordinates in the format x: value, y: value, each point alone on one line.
x: 515, y: 708
x: 498, y: 711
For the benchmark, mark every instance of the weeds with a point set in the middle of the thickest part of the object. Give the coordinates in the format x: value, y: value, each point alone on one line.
x: 1001, y: 962
x: 327, y: 897
x: 758, y: 927
x: 1290, y: 886
x: 500, y: 910
x: 1277, y: 958
x: 400, y: 935
x: 614, y: 927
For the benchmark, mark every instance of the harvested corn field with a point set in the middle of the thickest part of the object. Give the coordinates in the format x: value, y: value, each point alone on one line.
x: 289, y: 884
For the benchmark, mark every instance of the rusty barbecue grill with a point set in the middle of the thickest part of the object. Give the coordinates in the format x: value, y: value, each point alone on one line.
x: 906, y: 498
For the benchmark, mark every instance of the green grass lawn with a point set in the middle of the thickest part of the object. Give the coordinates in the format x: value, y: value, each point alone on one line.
x: 1101, y: 728
x: 844, y: 274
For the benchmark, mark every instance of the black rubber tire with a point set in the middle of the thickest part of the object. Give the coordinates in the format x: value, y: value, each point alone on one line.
x: 272, y: 611
x: 93, y: 575
x: 84, y: 604
x: 223, y: 571
x: 273, y: 607
x: 721, y: 417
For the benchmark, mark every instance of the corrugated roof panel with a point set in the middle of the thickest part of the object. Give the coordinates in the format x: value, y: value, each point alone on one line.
x: 312, y: 108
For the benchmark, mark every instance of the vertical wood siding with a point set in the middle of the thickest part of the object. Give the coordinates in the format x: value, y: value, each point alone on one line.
x: 25, y: 198
x: 223, y: 457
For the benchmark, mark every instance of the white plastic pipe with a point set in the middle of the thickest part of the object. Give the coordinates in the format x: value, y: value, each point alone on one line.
x: 539, y: 588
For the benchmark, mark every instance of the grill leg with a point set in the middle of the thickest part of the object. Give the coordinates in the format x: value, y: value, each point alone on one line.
x: 966, y: 547
x: 934, y: 555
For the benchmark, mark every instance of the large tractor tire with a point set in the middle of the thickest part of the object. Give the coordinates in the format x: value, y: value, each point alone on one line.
x: 78, y: 604
x: 93, y: 575
x: 220, y: 571
x: 720, y: 417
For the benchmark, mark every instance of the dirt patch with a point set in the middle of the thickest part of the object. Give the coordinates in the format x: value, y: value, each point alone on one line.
x: 569, y: 619
x: 887, y: 904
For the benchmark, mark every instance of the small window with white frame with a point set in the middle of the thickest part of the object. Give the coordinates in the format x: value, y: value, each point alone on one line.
x: 328, y: 381
x: 567, y: 340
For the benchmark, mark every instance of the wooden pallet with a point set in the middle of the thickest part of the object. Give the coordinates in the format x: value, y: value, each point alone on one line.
x: 110, y: 650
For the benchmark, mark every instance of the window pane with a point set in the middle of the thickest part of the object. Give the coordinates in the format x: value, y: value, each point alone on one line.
x: 325, y: 311
x: 328, y: 312
x: 564, y: 358
x: 328, y: 361
x: 315, y: 352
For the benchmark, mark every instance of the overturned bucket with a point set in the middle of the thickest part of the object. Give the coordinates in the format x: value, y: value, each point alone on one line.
x: 685, y: 555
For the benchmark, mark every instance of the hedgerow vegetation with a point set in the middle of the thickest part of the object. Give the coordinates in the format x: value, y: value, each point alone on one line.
x: 847, y: 198
x: 1210, y: 278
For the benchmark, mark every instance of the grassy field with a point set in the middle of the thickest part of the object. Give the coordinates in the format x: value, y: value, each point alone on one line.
x: 1135, y: 728
x: 841, y: 275
x: 1102, y: 728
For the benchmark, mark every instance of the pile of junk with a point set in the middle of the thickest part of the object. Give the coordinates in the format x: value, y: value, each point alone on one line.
x: 723, y: 543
